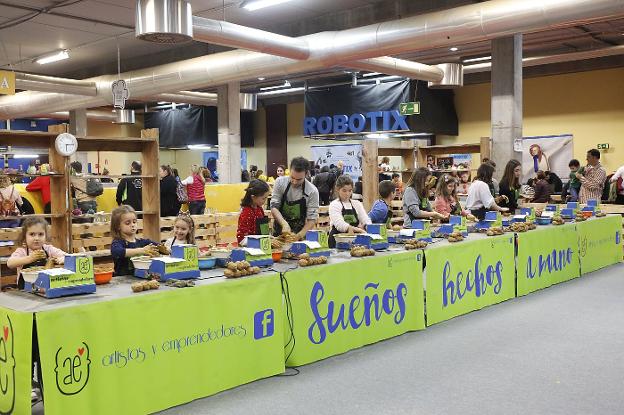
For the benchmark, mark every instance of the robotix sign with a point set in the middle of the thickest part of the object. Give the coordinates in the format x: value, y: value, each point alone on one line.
x: 370, y: 122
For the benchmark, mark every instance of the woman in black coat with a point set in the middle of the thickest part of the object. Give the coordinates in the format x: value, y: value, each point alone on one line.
x: 169, y: 204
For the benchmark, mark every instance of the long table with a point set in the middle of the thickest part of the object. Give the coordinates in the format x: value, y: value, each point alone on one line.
x: 118, y: 352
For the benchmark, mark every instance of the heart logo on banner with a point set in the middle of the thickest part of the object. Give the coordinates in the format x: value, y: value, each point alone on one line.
x: 81, y: 351
x: 6, y: 333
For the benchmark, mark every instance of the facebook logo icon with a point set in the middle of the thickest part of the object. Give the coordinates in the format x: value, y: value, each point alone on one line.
x: 264, y: 324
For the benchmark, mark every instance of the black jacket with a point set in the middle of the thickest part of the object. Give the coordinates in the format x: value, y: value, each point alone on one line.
x: 130, y: 192
x: 169, y: 205
x: 504, y: 190
x: 324, y: 182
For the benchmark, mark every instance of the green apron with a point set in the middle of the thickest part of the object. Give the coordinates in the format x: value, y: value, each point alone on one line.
x: 350, y: 216
x: 294, y: 213
x: 38, y: 263
x: 262, y: 226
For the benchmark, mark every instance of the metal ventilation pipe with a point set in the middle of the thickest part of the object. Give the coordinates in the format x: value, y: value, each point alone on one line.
x: 164, y: 21
x: 465, y: 24
x: 453, y: 76
x: 124, y: 117
x: 42, y: 83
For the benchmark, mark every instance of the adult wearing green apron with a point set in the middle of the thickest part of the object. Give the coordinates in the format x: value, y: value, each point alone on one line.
x: 295, y: 201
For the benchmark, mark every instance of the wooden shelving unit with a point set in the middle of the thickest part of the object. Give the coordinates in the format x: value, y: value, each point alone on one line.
x: 61, y: 231
x: 408, y: 157
x: 483, y: 148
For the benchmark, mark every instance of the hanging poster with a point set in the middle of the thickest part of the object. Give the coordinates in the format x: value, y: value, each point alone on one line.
x: 349, y: 154
x: 546, y: 153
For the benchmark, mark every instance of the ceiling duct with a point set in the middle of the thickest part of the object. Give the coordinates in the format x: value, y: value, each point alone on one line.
x: 453, y: 76
x: 445, y: 28
x: 164, y: 21
x: 124, y: 116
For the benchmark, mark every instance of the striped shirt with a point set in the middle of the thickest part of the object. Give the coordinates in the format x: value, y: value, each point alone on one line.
x: 592, y: 183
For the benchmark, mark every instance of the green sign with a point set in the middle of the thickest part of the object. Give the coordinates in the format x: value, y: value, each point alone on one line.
x: 600, y: 242
x: 409, y: 108
x: 339, y: 307
x: 15, y: 362
x: 190, y: 263
x: 604, y: 146
x: 152, y: 351
x: 546, y: 256
x: 468, y: 276
x: 82, y: 276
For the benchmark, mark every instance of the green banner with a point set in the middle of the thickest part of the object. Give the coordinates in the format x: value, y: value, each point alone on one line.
x: 546, y: 256
x: 468, y: 276
x: 15, y: 361
x: 151, y: 351
x: 339, y: 307
x: 600, y: 242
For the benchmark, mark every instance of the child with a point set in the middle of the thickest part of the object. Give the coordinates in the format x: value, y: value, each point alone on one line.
x: 542, y: 188
x: 252, y: 220
x: 346, y: 215
x: 416, y: 198
x: 446, y: 201
x: 183, y: 231
x: 10, y: 199
x: 125, y: 243
x: 574, y: 185
x: 381, y: 212
x: 464, y: 182
x: 33, y: 251
x: 398, y: 183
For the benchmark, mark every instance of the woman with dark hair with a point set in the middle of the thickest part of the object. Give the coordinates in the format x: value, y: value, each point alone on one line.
x: 169, y: 204
x: 510, y: 185
x: 416, y: 198
x: 480, y: 199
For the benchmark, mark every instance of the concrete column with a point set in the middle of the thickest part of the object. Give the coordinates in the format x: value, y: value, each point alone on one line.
x: 506, y: 99
x: 78, y: 122
x: 228, y: 108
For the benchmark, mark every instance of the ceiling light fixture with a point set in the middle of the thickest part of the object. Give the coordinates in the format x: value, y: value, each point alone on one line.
x: 280, y: 92
x: 454, y: 49
x: 371, y: 74
x: 53, y: 57
x: 286, y: 84
x: 377, y: 136
x: 200, y: 146
x: 261, y: 4
x: 481, y: 59
x: 25, y: 156
x: 261, y: 78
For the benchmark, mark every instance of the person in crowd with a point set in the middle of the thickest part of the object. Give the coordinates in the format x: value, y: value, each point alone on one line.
x: 253, y: 170
x: 295, y: 201
x: 554, y: 181
x: 431, y: 166
x: 542, y: 188
x: 33, y: 251
x: 358, y: 189
x: 446, y: 201
x: 280, y: 170
x: 384, y: 169
x: 510, y: 185
x: 169, y: 204
x: 183, y: 231
x: 252, y: 220
x: 493, y: 185
x: 195, y: 190
x: 105, y: 172
x: 125, y: 242
x: 245, y: 178
x: 84, y: 201
x: 206, y: 175
x: 480, y: 198
x: 324, y: 182
x: 593, y: 179
x: 398, y: 183
x: 346, y: 215
x: 464, y: 182
x: 381, y: 211
x: 416, y: 198
x: 337, y: 170
x: 618, y: 179
x: 130, y: 189
x: 571, y: 189
x: 42, y: 184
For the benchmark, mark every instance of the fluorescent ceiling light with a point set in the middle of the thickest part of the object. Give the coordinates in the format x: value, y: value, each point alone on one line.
x: 454, y: 49
x: 286, y: 84
x: 371, y: 74
x: 261, y: 4
x: 200, y: 146
x: 162, y: 102
x: 377, y: 136
x: 25, y: 156
x: 481, y: 59
x: 280, y: 92
x: 261, y: 78
x: 54, y: 57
